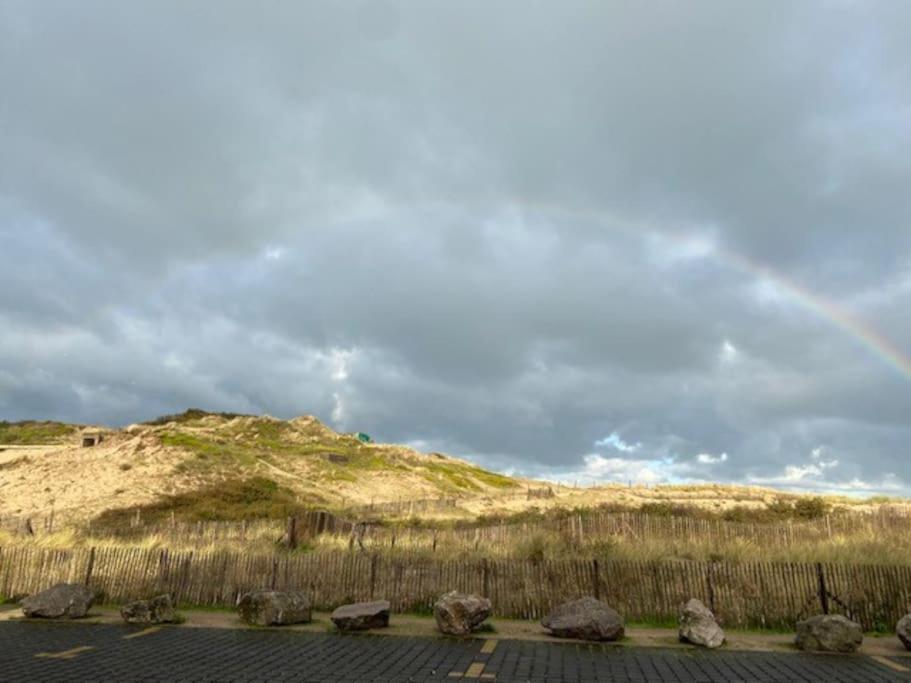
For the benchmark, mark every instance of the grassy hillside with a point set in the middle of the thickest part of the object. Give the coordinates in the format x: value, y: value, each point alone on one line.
x: 29, y: 432
x: 304, y: 447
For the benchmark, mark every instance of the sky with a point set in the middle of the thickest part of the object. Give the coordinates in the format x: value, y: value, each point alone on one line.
x: 590, y: 241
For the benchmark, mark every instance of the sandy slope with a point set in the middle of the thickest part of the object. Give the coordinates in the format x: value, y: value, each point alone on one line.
x: 141, y: 463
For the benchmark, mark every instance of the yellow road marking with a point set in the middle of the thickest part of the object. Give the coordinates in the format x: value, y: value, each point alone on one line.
x: 488, y: 647
x: 475, y: 670
x: 66, y: 654
x: 144, y: 632
x: 889, y: 663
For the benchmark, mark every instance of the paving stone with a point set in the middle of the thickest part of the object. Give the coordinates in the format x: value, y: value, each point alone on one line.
x: 251, y: 656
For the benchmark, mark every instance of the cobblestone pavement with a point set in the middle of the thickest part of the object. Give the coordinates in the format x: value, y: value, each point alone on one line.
x: 73, y: 652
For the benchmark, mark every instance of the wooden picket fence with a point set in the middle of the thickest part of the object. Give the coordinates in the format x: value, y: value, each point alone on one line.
x: 753, y: 594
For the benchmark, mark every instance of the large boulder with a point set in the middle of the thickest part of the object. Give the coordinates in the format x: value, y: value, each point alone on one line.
x: 585, y: 619
x: 361, y: 616
x: 458, y: 614
x: 829, y: 633
x: 903, y: 630
x: 157, y: 610
x: 274, y: 608
x: 698, y: 626
x: 63, y: 601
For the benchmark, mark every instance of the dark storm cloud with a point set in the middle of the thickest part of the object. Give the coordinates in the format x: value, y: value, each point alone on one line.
x: 502, y: 230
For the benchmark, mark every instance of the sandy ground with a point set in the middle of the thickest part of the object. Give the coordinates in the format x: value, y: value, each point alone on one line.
x: 72, y: 480
x: 506, y: 629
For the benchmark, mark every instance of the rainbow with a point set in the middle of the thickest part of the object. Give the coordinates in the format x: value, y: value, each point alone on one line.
x: 878, y: 344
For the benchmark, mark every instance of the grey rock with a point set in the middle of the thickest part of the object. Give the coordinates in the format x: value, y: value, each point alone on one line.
x: 361, y: 616
x: 157, y: 610
x: 829, y: 633
x: 585, y: 619
x: 698, y: 626
x: 63, y: 601
x: 903, y: 630
x: 459, y: 614
x: 274, y: 608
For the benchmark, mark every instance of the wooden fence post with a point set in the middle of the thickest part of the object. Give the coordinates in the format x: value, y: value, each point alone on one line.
x: 292, y: 532
x: 710, y: 584
x: 823, y: 592
x: 485, y: 577
x: 163, y: 565
x: 373, y: 561
x: 274, y: 573
x: 596, y: 579
x: 184, y: 584
x: 91, y: 566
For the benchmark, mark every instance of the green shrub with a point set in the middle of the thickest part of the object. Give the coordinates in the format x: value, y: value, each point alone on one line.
x: 539, y: 546
x: 238, y: 499
x: 31, y: 432
x: 190, y: 415
x: 811, y: 508
x: 780, y: 509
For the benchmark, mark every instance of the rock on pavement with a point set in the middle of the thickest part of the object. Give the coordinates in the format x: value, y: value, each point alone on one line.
x: 698, y: 626
x: 65, y: 600
x: 829, y: 633
x: 274, y: 608
x: 585, y: 619
x: 459, y: 614
x: 361, y: 616
x: 157, y: 610
x: 903, y: 630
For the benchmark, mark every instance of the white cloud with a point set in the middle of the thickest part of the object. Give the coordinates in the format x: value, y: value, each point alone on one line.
x: 809, y: 478
x: 274, y: 253
x: 338, y: 409
x: 816, y: 468
x: 340, y: 360
x: 708, y: 459
x: 815, y: 476
x: 614, y: 441
x: 729, y: 353
x: 620, y: 469
x: 795, y: 473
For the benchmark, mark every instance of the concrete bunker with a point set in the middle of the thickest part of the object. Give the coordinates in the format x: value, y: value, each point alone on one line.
x: 90, y: 439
